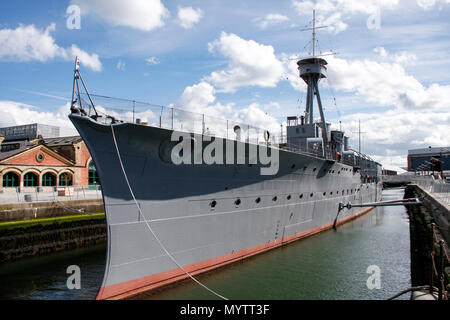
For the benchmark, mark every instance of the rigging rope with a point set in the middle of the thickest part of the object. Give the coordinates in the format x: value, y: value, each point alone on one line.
x: 149, y: 227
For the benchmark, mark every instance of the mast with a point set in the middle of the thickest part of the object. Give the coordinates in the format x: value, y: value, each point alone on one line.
x: 314, y: 33
x: 311, y: 71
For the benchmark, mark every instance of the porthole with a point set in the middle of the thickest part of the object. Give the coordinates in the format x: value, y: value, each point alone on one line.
x: 289, y: 197
x: 237, y: 202
x: 311, y: 195
x: 275, y: 198
x: 331, y: 193
x: 258, y: 200
x: 213, y: 204
x: 324, y: 194
x: 314, y: 170
x: 301, y: 196
x: 293, y: 166
x: 304, y: 168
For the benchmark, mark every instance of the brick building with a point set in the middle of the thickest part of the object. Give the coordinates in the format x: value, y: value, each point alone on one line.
x: 30, y: 161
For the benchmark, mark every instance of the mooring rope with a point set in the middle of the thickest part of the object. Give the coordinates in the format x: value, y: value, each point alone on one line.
x: 149, y: 227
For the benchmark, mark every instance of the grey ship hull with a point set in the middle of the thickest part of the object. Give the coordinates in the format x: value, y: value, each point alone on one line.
x: 302, y: 199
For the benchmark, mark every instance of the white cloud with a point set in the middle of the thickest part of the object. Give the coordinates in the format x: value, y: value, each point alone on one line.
x: 429, y: 4
x: 388, y: 136
x: 145, y: 15
x: 269, y: 20
x: 426, y: 4
x: 200, y: 98
x: 27, y: 43
x: 402, y: 58
x: 90, y: 61
x: 152, y: 60
x: 15, y: 113
x: 386, y: 84
x: 120, y: 65
x: 188, y: 17
x: 250, y: 64
x: 333, y: 13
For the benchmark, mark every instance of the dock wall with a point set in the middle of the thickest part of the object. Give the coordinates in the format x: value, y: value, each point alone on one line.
x: 50, y: 209
x: 40, y: 239
x: 429, y: 224
x: 39, y: 228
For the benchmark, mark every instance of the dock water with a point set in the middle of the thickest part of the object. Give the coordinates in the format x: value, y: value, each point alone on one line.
x: 332, y: 265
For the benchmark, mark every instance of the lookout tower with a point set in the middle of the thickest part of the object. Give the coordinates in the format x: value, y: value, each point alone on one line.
x: 311, y: 71
x: 303, y: 133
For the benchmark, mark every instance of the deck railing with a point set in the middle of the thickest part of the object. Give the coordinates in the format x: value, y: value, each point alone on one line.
x: 172, y: 118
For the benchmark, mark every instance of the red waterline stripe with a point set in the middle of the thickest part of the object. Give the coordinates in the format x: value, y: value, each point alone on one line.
x: 133, y: 287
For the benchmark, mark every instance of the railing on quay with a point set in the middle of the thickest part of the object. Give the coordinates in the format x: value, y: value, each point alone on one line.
x: 45, y: 194
x: 439, y: 188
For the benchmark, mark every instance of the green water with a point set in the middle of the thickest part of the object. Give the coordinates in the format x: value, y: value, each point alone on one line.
x: 331, y: 265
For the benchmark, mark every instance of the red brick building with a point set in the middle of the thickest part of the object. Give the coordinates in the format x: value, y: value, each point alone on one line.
x: 45, y: 164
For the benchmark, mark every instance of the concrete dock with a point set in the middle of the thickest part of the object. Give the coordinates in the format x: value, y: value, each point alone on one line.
x: 430, y: 236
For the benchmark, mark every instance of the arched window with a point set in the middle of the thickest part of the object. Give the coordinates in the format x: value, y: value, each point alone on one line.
x: 10, y: 180
x: 49, y: 180
x: 65, y: 179
x: 30, y: 180
x: 93, y: 175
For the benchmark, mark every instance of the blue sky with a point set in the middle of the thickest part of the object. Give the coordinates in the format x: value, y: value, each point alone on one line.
x: 232, y: 59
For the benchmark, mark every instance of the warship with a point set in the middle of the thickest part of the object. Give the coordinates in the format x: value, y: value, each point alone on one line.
x: 173, y: 213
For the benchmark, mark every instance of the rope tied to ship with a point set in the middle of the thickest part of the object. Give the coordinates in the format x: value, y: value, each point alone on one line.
x: 150, y: 228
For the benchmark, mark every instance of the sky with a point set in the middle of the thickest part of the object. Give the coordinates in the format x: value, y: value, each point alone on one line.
x: 388, y: 63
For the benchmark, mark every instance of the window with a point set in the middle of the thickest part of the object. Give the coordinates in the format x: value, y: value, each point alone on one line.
x: 65, y: 179
x: 10, y: 180
x: 93, y: 175
x: 30, y: 180
x: 49, y: 180
x: 9, y: 147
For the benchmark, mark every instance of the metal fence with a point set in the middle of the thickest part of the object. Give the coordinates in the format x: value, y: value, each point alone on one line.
x: 45, y: 194
x: 114, y: 109
x: 439, y: 188
x: 180, y: 120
